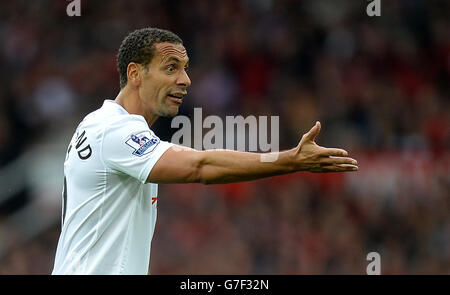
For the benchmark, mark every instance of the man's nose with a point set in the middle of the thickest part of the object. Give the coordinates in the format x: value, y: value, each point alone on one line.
x: 184, y: 80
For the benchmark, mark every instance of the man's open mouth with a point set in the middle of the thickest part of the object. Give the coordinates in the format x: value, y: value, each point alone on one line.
x: 177, y: 95
x: 176, y: 98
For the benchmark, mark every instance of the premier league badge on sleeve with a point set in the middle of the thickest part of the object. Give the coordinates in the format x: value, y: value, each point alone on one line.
x: 142, y: 143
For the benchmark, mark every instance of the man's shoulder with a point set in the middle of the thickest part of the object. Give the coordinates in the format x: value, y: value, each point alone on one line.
x: 110, y: 117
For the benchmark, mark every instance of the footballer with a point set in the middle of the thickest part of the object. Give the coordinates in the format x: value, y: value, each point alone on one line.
x: 115, y: 162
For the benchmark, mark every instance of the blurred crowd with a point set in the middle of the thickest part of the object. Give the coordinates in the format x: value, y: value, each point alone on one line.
x: 379, y: 85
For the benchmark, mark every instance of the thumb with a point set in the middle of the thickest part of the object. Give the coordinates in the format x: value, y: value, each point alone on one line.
x: 312, y: 133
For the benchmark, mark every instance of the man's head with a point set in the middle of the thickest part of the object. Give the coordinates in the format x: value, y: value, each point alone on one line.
x: 153, y: 62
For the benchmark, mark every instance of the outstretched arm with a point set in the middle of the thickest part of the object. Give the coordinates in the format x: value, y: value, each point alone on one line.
x: 185, y: 165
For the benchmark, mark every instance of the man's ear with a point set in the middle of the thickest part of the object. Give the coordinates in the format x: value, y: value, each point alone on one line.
x: 134, y: 74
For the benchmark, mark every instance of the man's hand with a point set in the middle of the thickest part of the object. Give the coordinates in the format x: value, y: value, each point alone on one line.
x: 311, y: 157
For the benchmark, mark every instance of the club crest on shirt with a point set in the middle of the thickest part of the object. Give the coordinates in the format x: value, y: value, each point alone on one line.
x: 142, y: 143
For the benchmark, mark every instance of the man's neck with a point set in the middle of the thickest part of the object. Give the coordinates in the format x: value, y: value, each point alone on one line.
x: 130, y: 101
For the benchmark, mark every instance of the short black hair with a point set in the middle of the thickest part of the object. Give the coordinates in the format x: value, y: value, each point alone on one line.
x: 138, y: 47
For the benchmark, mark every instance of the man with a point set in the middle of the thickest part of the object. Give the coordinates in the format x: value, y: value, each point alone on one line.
x: 115, y: 161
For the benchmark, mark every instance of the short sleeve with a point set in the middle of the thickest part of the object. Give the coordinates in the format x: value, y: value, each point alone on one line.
x: 132, y: 148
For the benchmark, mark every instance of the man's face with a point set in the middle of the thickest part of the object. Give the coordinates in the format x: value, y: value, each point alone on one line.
x: 165, y: 81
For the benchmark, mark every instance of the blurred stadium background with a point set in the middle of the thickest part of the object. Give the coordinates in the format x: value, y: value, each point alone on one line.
x: 379, y: 85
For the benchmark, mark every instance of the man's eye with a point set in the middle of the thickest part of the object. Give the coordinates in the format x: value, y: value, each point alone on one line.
x: 171, y: 68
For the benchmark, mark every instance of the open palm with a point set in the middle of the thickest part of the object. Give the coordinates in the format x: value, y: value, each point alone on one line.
x: 314, y: 158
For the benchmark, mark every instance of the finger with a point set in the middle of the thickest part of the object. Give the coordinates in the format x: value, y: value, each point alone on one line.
x: 346, y: 167
x: 333, y: 152
x: 312, y: 133
x: 338, y: 160
x: 337, y: 168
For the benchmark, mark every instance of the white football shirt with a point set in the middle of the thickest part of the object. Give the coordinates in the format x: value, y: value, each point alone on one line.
x: 109, y: 212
